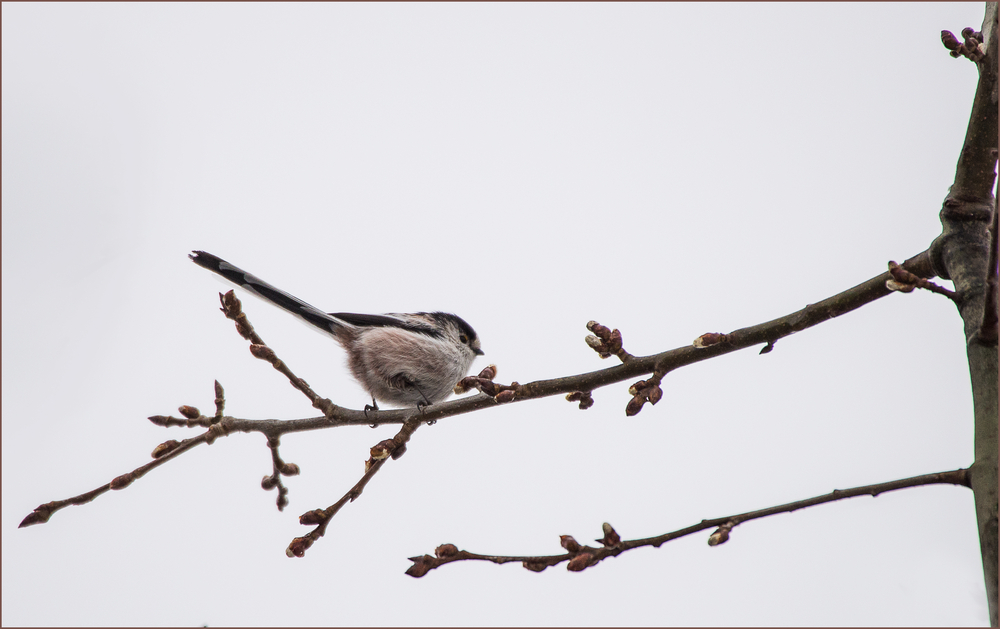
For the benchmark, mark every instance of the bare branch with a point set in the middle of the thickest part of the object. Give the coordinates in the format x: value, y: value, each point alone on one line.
x: 394, y: 447
x: 582, y: 557
x: 578, y: 387
x: 233, y: 309
x: 42, y: 513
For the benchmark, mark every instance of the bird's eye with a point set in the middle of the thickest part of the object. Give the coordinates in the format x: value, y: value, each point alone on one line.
x: 464, y: 339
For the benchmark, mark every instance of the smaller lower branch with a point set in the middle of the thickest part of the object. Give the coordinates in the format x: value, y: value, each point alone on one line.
x: 582, y: 557
x: 394, y: 448
x: 43, y: 512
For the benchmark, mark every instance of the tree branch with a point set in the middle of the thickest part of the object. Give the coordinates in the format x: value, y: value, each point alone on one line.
x: 965, y: 252
x: 582, y: 557
x: 578, y: 387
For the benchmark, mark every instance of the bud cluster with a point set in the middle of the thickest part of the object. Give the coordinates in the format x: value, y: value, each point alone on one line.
x: 606, y: 342
x: 583, y: 397
x: 972, y: 47
x: 501, y: 393
x: 644, y: 391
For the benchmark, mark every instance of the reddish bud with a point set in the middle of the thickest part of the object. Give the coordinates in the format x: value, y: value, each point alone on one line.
x: 597, y: 328
x: 189, y: 411
x: 709, y: 339
x: 268, y: 483
x: 655, y: 394
x: 165, y: 448
x: 720, y: 536
x: 489, y: 372
x: 40, y: 515
x: 309, y: 518
x: 505, y: 397
x: 159, y: 420
x: 263, y: 352
x: 121, y: 482
x: 634, y: 405
x: 290, y: 469
x: 230, y: 304
x: 535, y: 566
x: 950, y: 41
x: 569, y: 543
x: 897, y: 286
x: 580, y: 562
x: 611, y: 537
x: 446, y: 550
x: 383, y: 449
x: 421, y: 566
x: 298, y: 547
x: 585, y: 399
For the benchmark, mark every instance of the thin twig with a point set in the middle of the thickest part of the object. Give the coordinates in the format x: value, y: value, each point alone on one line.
x: 42, y: 513
x: 582, y: 557
x: 233, y: 309
x: 321, y: 517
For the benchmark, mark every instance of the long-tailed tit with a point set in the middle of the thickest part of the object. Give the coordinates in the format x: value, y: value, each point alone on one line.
x: 401, y: 359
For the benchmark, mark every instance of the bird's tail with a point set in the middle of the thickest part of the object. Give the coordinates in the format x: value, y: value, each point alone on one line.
x: 311, y: 314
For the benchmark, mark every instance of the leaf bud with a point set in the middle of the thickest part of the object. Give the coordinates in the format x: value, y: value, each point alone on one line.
x: 580, y: 562
x: 634, y: 405
x: 569, y: 543
x: 263, y: 352
x: 298, y: 547
x: 720, y: 536
x: 505, y: 397
x: 123, y: 481
x: 189, y: 411
x: 165, y: 448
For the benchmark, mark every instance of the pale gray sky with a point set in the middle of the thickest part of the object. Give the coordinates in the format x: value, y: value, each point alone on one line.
x: 667, y: 169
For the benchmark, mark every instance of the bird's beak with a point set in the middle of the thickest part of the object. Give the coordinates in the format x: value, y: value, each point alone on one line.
x: 478, y: 352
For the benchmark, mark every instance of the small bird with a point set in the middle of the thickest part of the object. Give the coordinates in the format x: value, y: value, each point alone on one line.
x: 401, y: 359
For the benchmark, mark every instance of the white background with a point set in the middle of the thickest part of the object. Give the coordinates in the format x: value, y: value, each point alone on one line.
x: 666, y: 169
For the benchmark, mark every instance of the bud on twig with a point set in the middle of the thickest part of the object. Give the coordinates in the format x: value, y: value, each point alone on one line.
x: 585, y: 399
x: 611, y: 537
x: 123, y: 481
x: 421, y: 566
x: 580, y: 562
x: 298, y: 547
x: 505, y: 397
x: 309, y: 518
x: 720, y: 536
x: 446, y: 550
x: 165, y: 448
x: 709, y: 339
x: 189, y: 411
x: 570, y: 544
x: 950, y: 41
x: 263, y: 352
x: 383, y: 449
x: 634, y: 405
